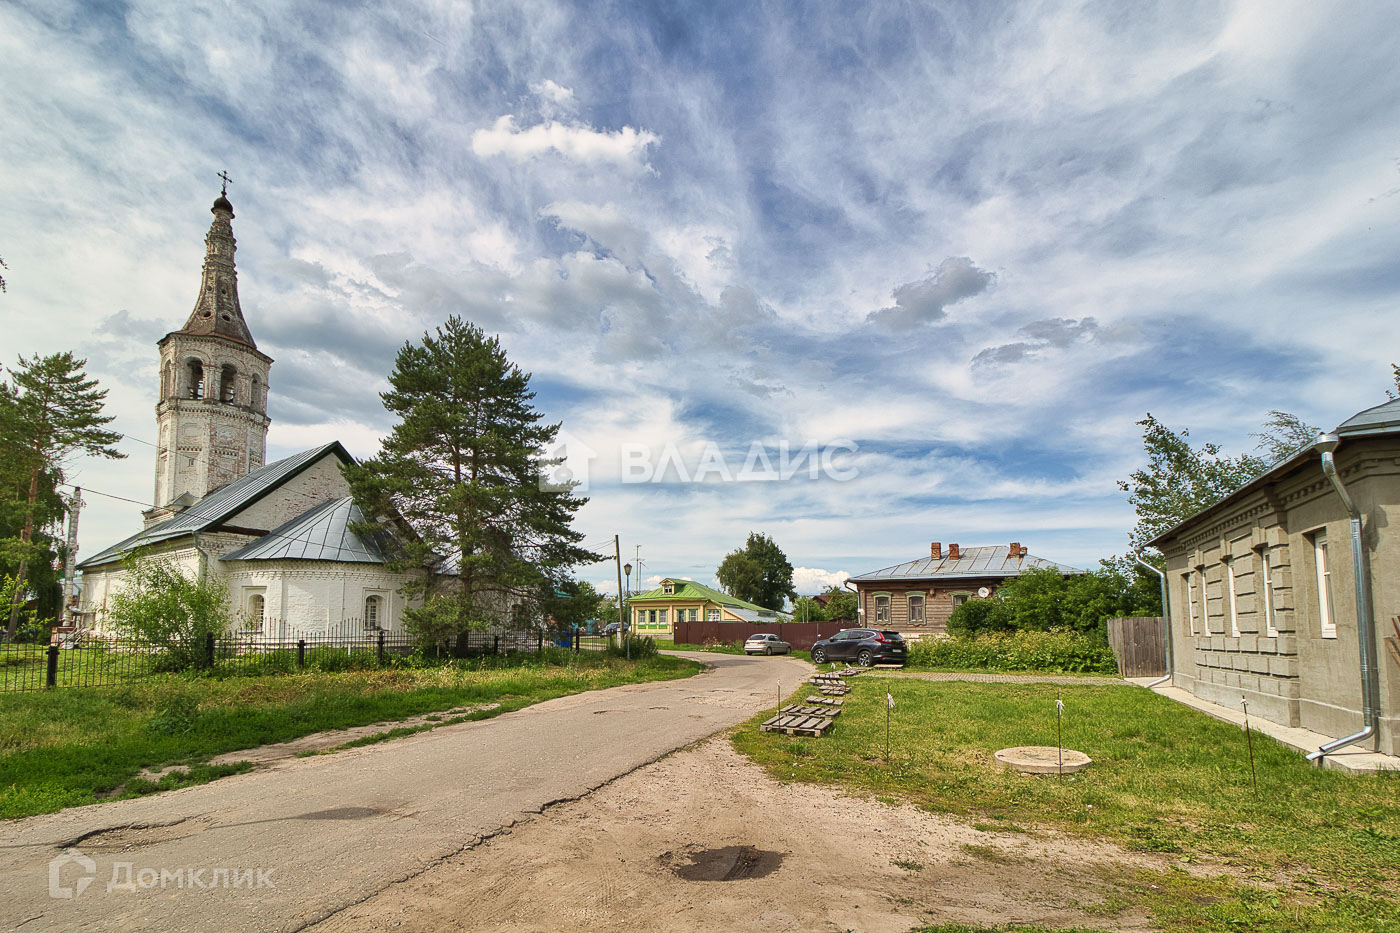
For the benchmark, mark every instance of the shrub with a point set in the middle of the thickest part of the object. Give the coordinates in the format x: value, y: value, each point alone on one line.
x: 640, y: 648
x: 161, y: 605
x: 979, y: 615
x: 1060, y: 651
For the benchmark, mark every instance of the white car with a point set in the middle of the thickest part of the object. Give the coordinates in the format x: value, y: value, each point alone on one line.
x: 766, y: 644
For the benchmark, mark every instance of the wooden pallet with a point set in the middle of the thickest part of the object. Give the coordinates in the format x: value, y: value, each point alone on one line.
x: 797, y: 725
x: 825, y: 701
x: 835, y: 690
x: 831, y: 712
x: 826, y: 678
x: 851, y: 672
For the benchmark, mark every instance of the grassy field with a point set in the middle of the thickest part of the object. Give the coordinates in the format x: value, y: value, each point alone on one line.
x: 65, y: 748
x: 1320, y: 848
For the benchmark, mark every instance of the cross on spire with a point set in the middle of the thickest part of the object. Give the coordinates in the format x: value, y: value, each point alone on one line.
x: 227, y: 181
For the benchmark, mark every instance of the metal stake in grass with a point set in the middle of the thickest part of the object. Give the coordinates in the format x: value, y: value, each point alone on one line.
x: 1059, y: 735
x: 889, y: 705
x: 1249, y: 739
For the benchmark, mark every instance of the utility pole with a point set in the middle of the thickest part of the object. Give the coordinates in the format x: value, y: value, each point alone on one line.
x: 621, y: 619
x: 70, y: 585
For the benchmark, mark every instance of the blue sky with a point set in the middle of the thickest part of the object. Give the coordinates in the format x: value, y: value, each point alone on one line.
x: 977, y: 240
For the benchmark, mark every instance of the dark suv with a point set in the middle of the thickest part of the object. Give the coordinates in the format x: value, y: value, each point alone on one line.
x: 865, y: 646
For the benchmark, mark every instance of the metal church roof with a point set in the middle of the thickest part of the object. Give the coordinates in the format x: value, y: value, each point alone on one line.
x: 971, y: 562
x: 222, y: 503
x: 321, y: 533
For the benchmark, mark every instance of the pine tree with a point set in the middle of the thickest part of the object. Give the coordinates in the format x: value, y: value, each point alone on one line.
x: 48, y: 413
x: 460, y: 481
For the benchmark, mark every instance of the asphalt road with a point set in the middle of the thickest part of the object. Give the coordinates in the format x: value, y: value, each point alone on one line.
x: 285, y: 848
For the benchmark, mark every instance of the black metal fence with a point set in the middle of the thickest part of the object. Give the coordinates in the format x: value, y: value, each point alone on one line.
x: 96, y: 661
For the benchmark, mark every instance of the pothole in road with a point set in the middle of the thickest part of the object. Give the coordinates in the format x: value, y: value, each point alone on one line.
x: 731, y: 863
x: 129, y: 837
x: 340, y: 813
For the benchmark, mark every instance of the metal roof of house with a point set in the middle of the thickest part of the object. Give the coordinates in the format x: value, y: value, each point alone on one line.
x: 971, y: 562
x: 220, y: 504
x: 1382, y: 419
x: 1378, y: 419
x: 320, y: 533
x: 689, y: 589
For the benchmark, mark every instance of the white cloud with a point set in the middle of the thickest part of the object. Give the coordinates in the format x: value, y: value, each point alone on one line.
x: 626, y: 147
x: 810, y: 580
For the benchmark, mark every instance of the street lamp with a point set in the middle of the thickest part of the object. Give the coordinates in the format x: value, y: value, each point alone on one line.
x: 623, y: 625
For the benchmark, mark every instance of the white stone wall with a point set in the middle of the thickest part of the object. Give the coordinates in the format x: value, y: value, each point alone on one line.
x: 316, y: 598
x: 319, y: 482
x: 301, y: 598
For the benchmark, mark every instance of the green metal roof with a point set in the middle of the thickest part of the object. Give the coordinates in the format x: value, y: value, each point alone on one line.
x: 689, y: 589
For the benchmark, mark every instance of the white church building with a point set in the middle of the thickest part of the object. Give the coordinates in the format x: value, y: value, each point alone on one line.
x: 278, y: 535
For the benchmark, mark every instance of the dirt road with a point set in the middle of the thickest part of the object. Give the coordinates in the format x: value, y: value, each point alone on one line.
x: 283, y: 848
x: 704, y: 840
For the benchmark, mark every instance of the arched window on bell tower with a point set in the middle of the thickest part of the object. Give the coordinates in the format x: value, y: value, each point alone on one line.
x: 228, y: 382
x: 255, y: 401
x: 196, y: 379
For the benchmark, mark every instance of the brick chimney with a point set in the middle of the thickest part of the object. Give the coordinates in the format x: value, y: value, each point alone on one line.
x: 1014, y: 551
x: 935, y: 551
x: 952, y: 552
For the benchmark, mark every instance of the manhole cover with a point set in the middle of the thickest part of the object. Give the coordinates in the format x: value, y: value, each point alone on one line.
x: 730, y: 863
x: 1042, y: 759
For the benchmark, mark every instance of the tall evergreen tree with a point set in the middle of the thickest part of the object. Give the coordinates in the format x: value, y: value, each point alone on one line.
x: 49, y: 412
x: 461, y: 482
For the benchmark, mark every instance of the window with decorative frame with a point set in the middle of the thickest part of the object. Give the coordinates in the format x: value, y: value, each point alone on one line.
x: 374, y: 612
x: 1325, y: 605
x: 257, y: 612
x: 1189, y: 586
x: 1233, y: 605
x: 711, y: 615
x: 916, y: 608
x: 882, y: 609
x: 1266, y: 587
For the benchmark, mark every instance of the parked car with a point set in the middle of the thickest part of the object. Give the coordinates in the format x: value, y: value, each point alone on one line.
x: 766, y: 644
x: 610, y: 628
x: 865, y: 646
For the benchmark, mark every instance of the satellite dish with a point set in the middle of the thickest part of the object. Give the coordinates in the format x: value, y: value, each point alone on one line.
x: 983, y: 592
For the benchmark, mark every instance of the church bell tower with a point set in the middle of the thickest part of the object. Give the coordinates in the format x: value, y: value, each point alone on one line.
x: 211, y: 420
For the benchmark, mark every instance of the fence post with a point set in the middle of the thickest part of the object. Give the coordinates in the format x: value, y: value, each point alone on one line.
x: 381, y: 648
x: 578, y: 638
x: 496, y: 645
x: 209, y: 649
x: 541, y: 650
x: 51, y: 675
x: 301, y: 652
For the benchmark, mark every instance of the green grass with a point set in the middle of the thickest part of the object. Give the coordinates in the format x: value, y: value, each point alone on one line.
x: 65, y: 748
x: 1323, y: 847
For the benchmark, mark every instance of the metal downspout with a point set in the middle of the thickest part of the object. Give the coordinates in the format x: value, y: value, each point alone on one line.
x: 1365, y: 619
x: 1166, y: 618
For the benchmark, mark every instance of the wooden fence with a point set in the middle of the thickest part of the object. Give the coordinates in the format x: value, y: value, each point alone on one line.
x: 1140, y: 645
x: 801, y: 635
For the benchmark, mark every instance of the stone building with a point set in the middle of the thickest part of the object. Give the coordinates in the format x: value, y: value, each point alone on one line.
x: 277, y: 534
x: 1265, y: 601
x: 918, y: 596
